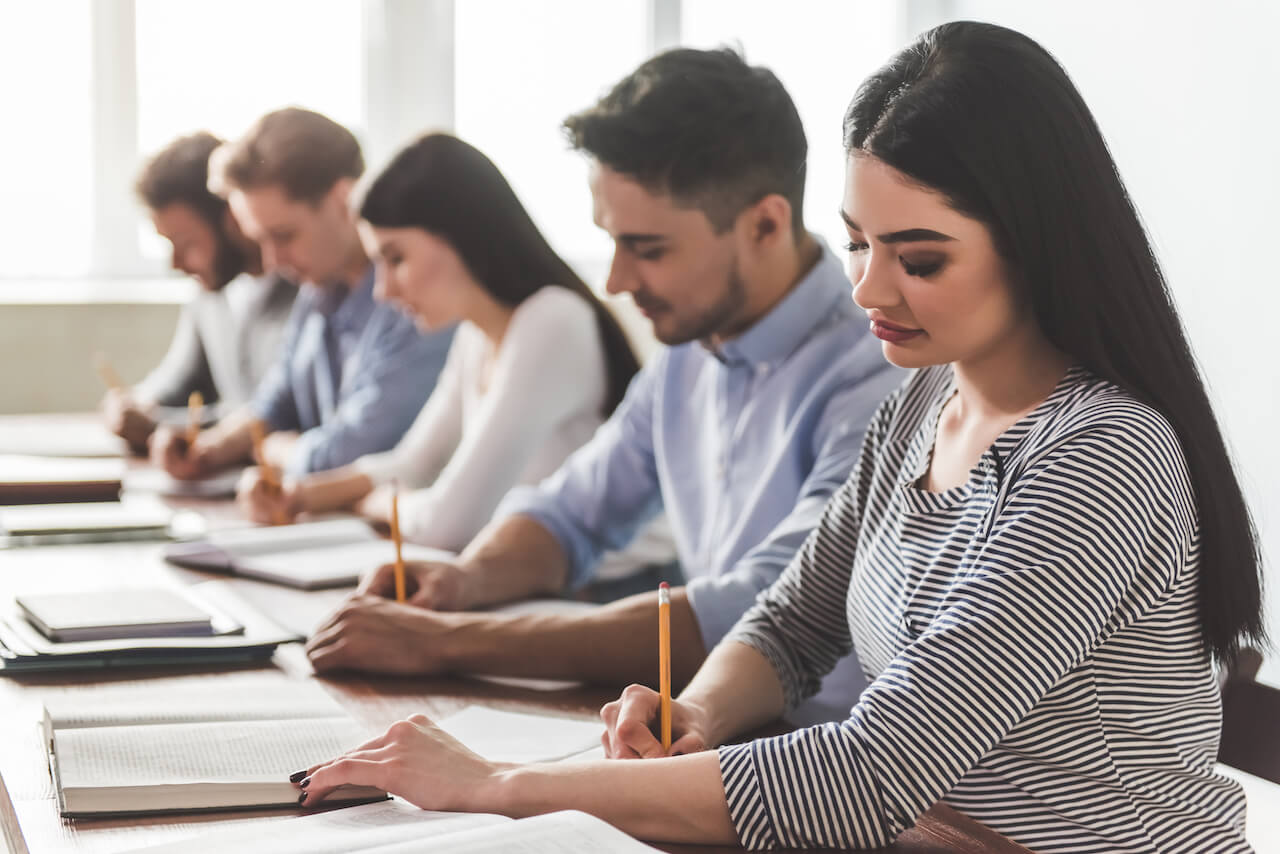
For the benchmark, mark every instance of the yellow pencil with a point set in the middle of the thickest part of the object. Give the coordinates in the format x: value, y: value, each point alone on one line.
x: 664, y: 661
x: 195, y: 410
x: 107, y: 373
x: 257, y: 437
x: 395, y: 538
x: 266, y: 471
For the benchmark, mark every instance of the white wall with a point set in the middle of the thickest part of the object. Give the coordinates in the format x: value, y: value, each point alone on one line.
x: 1188, y: 96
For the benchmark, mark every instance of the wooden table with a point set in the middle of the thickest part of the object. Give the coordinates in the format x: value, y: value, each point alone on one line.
x: 29, y: 819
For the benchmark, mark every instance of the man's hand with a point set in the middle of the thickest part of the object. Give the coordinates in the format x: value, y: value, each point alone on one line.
x: 378, y: 635
x: 170, y: 451
x: 428, y: 584
x: 267, y: 501
x: 277, y: 448
x: 127, y: 419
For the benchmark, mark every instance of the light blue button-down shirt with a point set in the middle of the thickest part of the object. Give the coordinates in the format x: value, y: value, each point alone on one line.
x: 351, y: 376
x: 742, y: 448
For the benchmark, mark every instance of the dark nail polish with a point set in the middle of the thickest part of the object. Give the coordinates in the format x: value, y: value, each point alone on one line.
x: 296, y: 776
x: 306, y: 782
x: 302, y: 797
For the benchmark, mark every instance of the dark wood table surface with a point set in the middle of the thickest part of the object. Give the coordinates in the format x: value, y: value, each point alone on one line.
x: 29, y: 820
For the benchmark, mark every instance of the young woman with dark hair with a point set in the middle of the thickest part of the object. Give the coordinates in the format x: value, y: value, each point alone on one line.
x: 538, y: 362
x: 1038, y: 557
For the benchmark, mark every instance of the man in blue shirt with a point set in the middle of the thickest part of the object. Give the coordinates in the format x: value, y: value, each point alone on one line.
x: 741, y: 429
x: 352, y: 374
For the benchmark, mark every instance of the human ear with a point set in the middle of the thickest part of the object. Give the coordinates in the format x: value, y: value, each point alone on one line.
x: 769, y: 220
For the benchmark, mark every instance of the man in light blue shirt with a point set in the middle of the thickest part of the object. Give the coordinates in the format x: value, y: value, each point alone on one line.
x: 741, y: 429
x: 351, y: 374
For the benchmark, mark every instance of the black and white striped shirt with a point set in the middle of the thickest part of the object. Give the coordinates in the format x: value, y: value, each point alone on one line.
x: 1032, y: 635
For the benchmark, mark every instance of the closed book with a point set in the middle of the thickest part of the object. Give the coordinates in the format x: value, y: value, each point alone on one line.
x: 141, y: 612
x: 46, y: 480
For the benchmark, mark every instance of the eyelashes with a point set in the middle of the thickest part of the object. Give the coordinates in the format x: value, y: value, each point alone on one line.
x: 918, y: 270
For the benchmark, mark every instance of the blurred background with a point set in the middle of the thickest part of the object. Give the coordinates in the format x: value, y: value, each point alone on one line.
x: 1185, y: 92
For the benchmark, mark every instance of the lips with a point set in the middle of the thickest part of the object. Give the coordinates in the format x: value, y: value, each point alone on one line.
x: 893, y: 333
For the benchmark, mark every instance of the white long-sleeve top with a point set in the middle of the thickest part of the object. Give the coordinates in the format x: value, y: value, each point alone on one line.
x: 474, y: 439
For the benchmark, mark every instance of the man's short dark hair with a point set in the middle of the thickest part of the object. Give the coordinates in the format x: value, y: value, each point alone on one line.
x: 179, y: 174
x: 703, y: 127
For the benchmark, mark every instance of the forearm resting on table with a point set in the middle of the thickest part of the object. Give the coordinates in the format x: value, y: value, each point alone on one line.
x: 616, y: 644
x: 680, y: 799
x: 332, y: 490
x: 230, y: 441
x: 513, y: 558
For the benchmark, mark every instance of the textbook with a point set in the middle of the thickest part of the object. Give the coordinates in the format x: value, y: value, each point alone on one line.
x: 229, y: 750
x: 47, y: 480
x: 398, y: 827
x: 111, y: 614
x: 243, y: 634
x: 309, y: 555
x: 220, y: 485
x: 141, y: 517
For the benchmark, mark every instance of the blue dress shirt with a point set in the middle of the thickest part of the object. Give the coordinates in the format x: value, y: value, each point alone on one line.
x: 351, y: 376
x: 742, y: 447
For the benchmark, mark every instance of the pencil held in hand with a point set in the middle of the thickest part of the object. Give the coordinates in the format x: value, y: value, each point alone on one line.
x: 664, y: 661
x: 195, y: 410
x: 107, y: 373
x: 268, y: 473
x: 395, y: 538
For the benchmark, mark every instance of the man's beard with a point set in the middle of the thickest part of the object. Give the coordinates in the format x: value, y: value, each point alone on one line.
x: 229, y: 261
x: 711, y: 321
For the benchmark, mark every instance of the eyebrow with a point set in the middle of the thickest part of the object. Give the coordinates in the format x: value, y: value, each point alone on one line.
x: 632, y: 239
x: 908, y: 235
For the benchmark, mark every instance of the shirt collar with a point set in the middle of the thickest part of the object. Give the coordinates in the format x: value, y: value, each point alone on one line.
x: 348, y: 307
x: 812, y: 301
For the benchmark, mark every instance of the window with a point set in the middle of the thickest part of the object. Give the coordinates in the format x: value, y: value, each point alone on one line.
x: 250, y: 58
x: 820, y: 54
x: 520, y: 71
x: 46, y: 147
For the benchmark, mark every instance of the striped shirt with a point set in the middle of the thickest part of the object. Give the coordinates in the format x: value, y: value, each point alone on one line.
x: 1032, y: 635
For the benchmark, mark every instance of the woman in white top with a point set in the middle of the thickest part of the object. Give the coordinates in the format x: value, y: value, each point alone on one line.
x: 538, y: 362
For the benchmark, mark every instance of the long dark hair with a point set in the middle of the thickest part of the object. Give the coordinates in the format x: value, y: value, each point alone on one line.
x: 988, y: 118
x: 446, y: 187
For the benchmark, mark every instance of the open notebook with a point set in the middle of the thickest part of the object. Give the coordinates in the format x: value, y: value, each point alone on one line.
x: 396, y: 826
x: 310, y: 555
x: 225, y: 747
x: 220, y: 485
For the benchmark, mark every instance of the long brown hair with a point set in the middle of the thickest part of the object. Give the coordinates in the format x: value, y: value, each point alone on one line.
x: 446, y: 187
